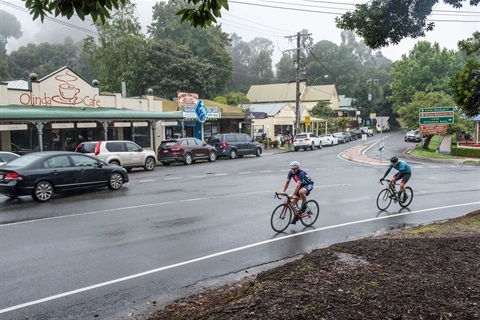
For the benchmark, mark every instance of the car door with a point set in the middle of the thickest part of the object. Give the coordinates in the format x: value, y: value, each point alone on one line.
x: 61, y: 172
x: 242, y: 144
x: 133, y: 154
x: 194, y: 146
x: 250, y: 145
x: 89, y: 172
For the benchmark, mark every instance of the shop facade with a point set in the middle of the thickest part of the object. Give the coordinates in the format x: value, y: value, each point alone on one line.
x: 62, y: 109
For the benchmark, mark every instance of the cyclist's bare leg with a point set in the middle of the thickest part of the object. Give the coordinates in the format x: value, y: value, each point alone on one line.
x: 303, y: 195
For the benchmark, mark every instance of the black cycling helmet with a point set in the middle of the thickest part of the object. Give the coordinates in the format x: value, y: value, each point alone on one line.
x: 393, y: 159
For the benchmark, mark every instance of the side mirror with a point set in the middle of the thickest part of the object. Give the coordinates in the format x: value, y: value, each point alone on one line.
x: 100, y: 164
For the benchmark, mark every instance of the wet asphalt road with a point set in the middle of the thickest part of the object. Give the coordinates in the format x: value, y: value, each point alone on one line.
x: 108, y: 255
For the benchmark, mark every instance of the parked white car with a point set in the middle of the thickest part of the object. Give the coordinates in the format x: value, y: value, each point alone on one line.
x: 305, y: 141
x: 367, y: 130
x: 328, y: 139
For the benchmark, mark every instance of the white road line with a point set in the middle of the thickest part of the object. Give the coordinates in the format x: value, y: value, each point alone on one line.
x: 149, y: 180
x: 173, y: 178
x: 245, y: 172
x: 214, y: 255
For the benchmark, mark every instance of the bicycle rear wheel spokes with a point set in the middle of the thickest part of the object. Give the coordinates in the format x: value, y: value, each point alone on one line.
x: 384, y: 199
x: 281, y: 217
x: 409, y: 200
x: 311, y: 214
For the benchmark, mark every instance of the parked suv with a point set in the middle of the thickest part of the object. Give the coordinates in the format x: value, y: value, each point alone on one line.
x: 234, y: 144
x: 305, y: 141
x: 127, y: 154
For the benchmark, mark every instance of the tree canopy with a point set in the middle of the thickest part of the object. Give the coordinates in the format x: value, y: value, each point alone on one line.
x: 200, y: 13
x: 384, y: 22
x: 466, y: 83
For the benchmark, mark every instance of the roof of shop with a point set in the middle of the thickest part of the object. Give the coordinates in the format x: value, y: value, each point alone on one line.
x: 71, y: 113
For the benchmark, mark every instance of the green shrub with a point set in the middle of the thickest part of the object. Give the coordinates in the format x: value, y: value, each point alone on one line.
x: 465, y: 152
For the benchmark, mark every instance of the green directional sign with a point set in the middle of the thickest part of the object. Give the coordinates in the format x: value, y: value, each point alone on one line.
x: 436, y: 120
x: 445, y: 109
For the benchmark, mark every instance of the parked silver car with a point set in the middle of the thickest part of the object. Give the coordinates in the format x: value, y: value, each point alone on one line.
x: 127, y: 154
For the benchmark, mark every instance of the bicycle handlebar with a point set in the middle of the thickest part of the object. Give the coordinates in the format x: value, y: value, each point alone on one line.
x: 279, y: 195
x: 387, y: 180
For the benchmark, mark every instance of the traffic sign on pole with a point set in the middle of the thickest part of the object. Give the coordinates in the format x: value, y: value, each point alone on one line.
x: 435, y: 120
x: 436, y: 115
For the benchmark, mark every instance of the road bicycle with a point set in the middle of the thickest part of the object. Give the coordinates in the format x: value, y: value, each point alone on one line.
x: 389, y: 194
x: 283, y: 214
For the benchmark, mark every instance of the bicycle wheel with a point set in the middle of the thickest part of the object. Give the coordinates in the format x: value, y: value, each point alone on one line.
x: 281, y: 217
x: 311, y: 214
x: 384, y: 199
x: 409, y: 200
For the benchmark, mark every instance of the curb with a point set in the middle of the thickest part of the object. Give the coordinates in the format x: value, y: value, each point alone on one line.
x: 355, y: 154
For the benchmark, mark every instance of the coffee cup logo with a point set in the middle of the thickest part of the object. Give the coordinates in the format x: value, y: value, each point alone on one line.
x: 68, y: 91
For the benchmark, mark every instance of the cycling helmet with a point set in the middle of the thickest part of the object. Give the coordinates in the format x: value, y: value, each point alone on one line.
x: 294, y: 165
x: 393, y: 159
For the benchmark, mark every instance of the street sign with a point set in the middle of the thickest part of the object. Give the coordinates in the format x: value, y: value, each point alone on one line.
x: 433, y: 129
x: 436, y: 120
x: 307, y: 121
x: 445, y: 109
x: 436, y: 115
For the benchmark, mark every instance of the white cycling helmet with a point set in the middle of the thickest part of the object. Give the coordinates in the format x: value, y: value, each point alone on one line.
x: 294, y: 165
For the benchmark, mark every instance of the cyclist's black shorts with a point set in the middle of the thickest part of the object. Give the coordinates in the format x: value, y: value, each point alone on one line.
x: 309, y: 188
x: 404, y: 176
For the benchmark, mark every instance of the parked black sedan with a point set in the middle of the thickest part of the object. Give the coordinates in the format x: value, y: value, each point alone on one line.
x: 41, y: 174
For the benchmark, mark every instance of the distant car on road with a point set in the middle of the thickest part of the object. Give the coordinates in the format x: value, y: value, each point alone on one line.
x: 186, y: 150
x: 367, y: 130
x: 413, y: 135
x: 328, y: 139
x: 342, y: 137
x: 305, y: 141
x: 42, y: 174
x: 6, y: 156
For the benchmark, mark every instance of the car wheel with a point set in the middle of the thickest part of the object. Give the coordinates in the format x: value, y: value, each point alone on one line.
x: 320, y: 146
x: 149, y: 164
x: 43, y: 191
x: 313, y: 146
x: 188, y: 159
x: 115, y: 181
x: 258, y: 152
x: 165, y: 163
x: 233, y: 154
x: 115, y: 162
x: 213, y: 156
x: 331, y: 144
x: 296, y: 149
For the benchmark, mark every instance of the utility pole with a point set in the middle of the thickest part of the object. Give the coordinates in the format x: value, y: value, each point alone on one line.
x: 298, y: 68
x: 297, y: 86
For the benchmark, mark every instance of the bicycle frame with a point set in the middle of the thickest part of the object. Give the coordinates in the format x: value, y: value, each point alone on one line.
x: 282, y: 215
x: 385, y: 196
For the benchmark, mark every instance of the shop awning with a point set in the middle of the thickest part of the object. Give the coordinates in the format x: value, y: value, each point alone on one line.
x: 25, y: 113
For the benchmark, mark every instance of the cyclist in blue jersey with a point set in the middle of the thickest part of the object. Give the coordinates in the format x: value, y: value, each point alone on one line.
x: 304, y: 184
x: 404, y: 173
